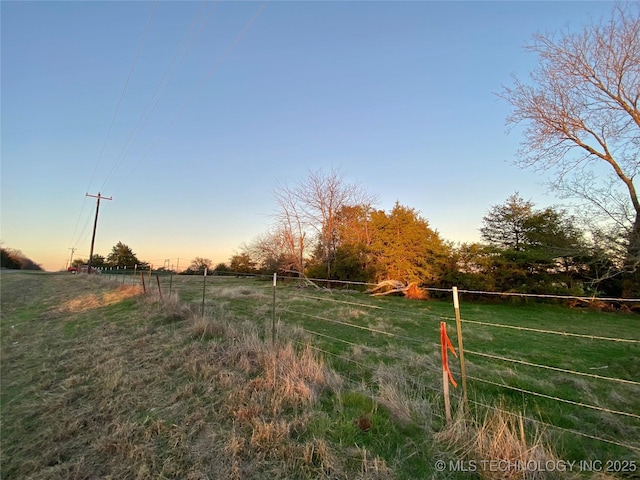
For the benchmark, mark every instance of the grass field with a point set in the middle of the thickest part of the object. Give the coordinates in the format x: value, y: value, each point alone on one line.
x: 100, y: 381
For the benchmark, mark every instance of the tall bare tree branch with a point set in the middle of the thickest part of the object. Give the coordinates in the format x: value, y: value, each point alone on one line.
x: 580, y: 105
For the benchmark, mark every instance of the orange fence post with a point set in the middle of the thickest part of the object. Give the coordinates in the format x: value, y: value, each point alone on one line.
x: 446, y: 373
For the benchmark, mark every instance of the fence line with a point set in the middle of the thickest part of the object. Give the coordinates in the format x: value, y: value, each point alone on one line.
x: 556, y: 427
x: 559, y: 297
x: 484, y: 292
x: 558, y: 399
x: 342, y: 301
x: 385, y: 308
x: 350, y: 360
x: 367, y: 367
x: 361, y: 327
x: 563, y: 370
x: 439, y: 317
x: 366, y: 347
x: 553, y: 332
x: 347, y: 342
x: 552, y: 368
x: 111, y: 270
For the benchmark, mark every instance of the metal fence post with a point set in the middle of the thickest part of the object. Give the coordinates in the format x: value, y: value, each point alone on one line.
x: 204, y: 288
x: 273, y: 311
x: 144, y: 287
x: 463, y: 373
x: 159, y: 289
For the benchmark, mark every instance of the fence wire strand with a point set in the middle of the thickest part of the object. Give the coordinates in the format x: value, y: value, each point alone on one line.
x: 557, y: 399
x: 547, y: 367
x: 556, y: 427
x: 369, y: 367
x: 552, y: 332
x: 366, y: 347
x: 353, y: 325
x: 332, y: 300
x: 557, y: 297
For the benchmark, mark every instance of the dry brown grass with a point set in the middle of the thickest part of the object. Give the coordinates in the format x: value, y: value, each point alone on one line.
x: 157, y: 391
x: 284, y: 379
x: 207, y: 328
x: 235, y: 292
x: 403, y: 396
x: 93, y: 301
x: 501, y: 446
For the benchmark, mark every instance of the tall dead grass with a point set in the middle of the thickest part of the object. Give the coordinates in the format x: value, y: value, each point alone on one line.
x: 501, y: 448
x: 404, y: 397
x: 92, y: 300
x: 266, y: 391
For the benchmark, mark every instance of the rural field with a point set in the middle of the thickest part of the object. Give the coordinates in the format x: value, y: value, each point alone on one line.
x: 228, y: 377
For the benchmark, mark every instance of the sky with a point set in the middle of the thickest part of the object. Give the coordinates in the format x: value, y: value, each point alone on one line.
x: 187, y: 114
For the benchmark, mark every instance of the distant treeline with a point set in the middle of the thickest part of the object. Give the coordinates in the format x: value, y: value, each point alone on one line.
x: 15, y: 259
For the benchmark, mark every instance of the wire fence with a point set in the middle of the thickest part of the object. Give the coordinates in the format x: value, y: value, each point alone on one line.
x: 520, y: 358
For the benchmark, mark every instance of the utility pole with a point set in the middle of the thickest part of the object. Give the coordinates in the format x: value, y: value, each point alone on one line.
x: 95, y: 225
x: 72, y: 252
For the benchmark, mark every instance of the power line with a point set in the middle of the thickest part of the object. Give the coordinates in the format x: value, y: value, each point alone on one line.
x: 197, y: 89
x: 77, y: 240
x: 160, y: 89
x: 124, y: 89
x: 75, y: 229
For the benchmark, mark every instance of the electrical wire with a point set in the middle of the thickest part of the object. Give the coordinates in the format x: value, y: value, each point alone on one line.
x: 74, y: 243
x: 124, y: 89
x: 162, y: 86
x: 196, y: 91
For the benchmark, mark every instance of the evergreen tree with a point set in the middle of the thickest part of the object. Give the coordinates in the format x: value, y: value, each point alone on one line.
x: 122, y: 256
x: 404, y: 247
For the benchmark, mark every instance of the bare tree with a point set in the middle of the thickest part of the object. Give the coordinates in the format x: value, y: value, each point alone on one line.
x: 273, y: 251
x: 199, y: 264
x: 291, y: 225
x: 309, y: 211
x: 323, y: 196
x: 581, y: 109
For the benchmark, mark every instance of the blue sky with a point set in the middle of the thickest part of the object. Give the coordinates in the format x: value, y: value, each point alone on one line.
x: 400, y: 96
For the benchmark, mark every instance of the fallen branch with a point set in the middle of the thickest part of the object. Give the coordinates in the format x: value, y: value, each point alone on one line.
x: 395, y: 286
x: 411, y: 290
